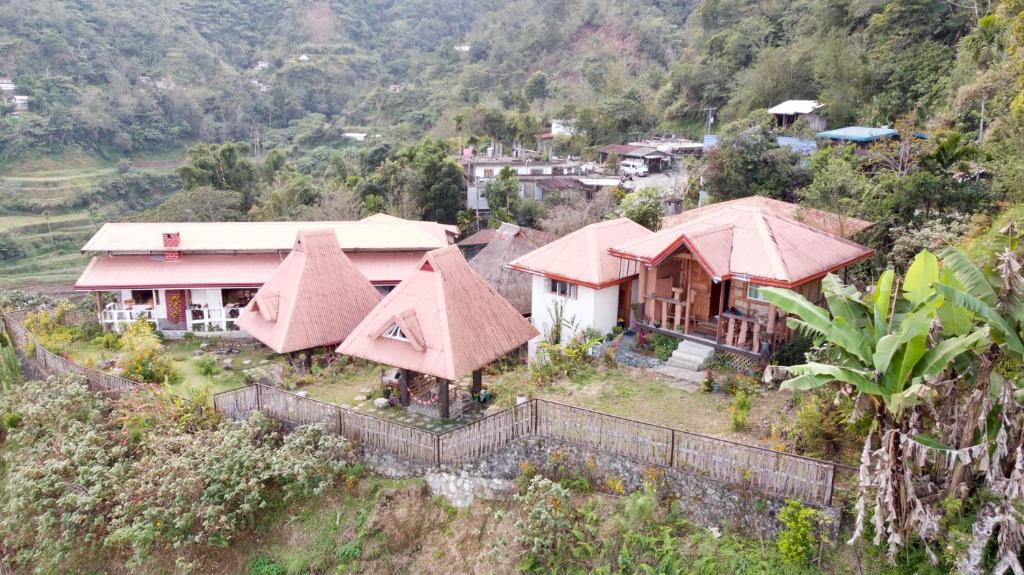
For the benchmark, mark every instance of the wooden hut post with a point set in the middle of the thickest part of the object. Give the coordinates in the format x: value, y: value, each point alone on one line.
x: 772, y: 312
x: 403, y: 387
x: 442, y: 398
x: 478, y: 382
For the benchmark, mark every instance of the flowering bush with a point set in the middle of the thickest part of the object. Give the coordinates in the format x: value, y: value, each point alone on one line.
x: 85, y: 475
x: 143, y: 355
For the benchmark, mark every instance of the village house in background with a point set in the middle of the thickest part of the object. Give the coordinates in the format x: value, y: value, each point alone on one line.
x: 653, y: 158
x: 790, y: 111
x: 576, y: 276
x: 508, y: 243
x: 440, y: 324
x: 199, y: 277
x: 480, y: 169
x: 699, y: 276
x: 314, y: 298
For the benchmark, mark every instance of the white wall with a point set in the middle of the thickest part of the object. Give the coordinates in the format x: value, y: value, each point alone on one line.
x: 591, y: 309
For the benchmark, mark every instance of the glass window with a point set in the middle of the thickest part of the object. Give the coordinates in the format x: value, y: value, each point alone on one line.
x: 564, y: 289
x: 395, y: 332
x: 145, y: 297
x: 488, y: 172
x: 754, y: 292
x: 237, y: 297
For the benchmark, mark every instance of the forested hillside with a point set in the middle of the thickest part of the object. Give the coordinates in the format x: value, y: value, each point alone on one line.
x: 117, y: 78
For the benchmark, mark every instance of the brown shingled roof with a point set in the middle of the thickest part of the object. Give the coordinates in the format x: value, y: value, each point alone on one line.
x: 510, y: 242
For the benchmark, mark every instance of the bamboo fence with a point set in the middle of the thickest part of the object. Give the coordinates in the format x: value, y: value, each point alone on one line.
x: 771, y: 472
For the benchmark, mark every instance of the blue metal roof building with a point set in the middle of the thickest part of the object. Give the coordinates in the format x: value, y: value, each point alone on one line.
x: 859, y: 134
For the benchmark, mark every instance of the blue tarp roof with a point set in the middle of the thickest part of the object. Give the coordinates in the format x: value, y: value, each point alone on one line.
x: 858, y: 134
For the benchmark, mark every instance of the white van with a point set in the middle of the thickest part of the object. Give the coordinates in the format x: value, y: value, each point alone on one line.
x: 632, y: 167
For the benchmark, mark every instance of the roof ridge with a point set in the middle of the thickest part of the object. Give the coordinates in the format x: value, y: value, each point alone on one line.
x: 446, y: 337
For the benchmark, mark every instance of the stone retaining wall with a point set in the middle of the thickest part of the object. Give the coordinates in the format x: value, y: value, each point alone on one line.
x: 707, y: 502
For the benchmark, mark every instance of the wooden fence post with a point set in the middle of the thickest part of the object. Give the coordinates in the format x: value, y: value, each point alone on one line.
x: 259, y: 398
x: 672, y: 452
x: 830, y: 485
x: 437, y: 450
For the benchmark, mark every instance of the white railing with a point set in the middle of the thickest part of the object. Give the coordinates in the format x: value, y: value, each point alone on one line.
x: 213, y: 319
x: 115, y: 317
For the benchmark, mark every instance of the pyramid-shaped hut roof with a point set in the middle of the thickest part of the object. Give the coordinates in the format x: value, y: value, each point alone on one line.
x: 510, y: 241
x: 443, y: 320
x: 314, y: 298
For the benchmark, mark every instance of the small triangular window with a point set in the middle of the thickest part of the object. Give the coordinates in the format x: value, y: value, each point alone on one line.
x: 395, y: 332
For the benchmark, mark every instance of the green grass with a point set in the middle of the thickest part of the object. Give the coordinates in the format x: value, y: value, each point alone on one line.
x: 328, y: 534
x: 13, y: 222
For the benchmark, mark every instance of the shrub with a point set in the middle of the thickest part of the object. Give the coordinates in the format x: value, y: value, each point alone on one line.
x: 263, y: 565
x: 207, y: 365
x: 179, y: 479
x: 663, y: 345
x: 10, y: 367
x: 107, y: 341
x: 143, y: 358
x: 740, y: 409
x: 545, y: 526
x: 796, y: 540
x: 793, y: 352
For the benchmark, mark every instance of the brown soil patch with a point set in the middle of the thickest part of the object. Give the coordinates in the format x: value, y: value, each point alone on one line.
x: 318, y: 20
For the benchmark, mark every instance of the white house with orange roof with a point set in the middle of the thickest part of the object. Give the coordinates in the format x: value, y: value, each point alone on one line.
x: 199, y: 276
x: 576, y: 273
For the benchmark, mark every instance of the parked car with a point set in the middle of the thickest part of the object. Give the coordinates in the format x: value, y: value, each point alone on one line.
x: 633, y: 168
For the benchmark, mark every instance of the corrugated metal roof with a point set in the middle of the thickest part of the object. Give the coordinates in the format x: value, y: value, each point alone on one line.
x: 210, y: 270
x: 314, y: 298
x: 378, y: 232
x: 790, y: 107
x: 582, y: 256
x: 750, y: 238
x: 222, y: 270
x: 444, y: 320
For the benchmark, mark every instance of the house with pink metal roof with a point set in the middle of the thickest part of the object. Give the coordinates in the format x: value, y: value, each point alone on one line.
x: 199, y: 276
x: 699, y: 277
x: 313, y: 299
x: 578, y: 275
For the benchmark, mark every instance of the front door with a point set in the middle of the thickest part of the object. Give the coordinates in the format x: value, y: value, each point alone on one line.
x: 700, y: 294
x: 625, y: 299
x: 176, y: 306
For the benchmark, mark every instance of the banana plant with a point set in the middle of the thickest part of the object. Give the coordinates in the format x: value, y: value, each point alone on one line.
x: 887, y: 347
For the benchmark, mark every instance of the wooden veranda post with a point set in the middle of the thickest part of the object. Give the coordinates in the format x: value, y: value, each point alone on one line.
x: 442, y: 398
x: 99, y: 310
x: 721, y: 308
x: 403, y: 387
x: 478, y: 382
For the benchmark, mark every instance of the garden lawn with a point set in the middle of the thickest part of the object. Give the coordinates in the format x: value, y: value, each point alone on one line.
x: 644, y: 395
x: 192, y: 384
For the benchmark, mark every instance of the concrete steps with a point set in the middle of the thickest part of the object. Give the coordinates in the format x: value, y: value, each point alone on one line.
x: 687, y: 363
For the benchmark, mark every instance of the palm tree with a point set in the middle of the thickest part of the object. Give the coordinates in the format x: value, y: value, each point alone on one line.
x: 985, y: 46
